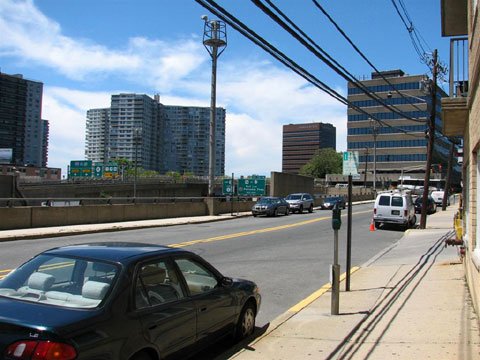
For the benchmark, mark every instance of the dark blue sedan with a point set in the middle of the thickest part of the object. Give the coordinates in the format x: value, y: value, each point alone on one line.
x: 121, y: 301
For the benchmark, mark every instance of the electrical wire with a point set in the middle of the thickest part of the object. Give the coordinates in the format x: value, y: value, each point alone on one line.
x: 321, y: 54
x: 415, y: 36
x: 238, y: 25
x: 355, y: 47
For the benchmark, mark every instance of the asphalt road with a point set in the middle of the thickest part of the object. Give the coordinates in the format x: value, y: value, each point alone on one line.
x: 288, y: 256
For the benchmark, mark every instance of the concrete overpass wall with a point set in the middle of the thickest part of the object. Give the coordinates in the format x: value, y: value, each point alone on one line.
x: 282, y: 184
x: 43, y: 216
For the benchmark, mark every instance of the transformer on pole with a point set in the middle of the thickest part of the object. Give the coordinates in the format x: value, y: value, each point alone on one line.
x: 215, y: 41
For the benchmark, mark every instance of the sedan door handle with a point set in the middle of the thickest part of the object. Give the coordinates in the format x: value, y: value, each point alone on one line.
x: 202, y: 309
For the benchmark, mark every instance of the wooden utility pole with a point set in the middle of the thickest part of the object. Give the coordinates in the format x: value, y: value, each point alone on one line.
x: 431, y: 140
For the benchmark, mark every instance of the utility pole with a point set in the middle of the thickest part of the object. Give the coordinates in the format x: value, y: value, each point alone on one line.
x: 375, y: 133
x: 366, y: 167
x: 214, y: 37
x: 136, y: 138
x: 431, y: 140
x: 349, y: 235
x: 446, y: 190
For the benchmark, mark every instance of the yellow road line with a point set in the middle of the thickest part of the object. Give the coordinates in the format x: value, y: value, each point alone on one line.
x: 236, y: 235
x: 308, y: 300
x: 254, y: 232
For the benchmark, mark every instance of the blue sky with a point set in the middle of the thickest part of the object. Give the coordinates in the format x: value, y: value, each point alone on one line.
x: 86, y: 50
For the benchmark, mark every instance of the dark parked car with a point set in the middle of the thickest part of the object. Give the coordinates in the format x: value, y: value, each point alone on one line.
x: 431, y: 205
x: 299, y: 202
x: 120, y: 301
x: 329, y: 202
x: 271, y: 206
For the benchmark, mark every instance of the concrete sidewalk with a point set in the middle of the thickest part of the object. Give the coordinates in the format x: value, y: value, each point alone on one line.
x: 409, y: 302
x: 55, y: 231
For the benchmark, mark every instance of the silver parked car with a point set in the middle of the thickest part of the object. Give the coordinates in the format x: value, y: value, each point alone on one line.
x: 300, y: 201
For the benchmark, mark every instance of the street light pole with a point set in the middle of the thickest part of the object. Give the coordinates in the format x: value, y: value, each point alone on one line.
x: 366, y: 168
x: 135, y: 143
x: 214, y: 37
x: 431, y: 141
x: 375, y: 133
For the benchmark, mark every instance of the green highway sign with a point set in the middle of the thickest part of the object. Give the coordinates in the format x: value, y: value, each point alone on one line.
x: 98, y: 170
x: 253, y: 186
x: 110, y: 170
x: 227, y: 187
x: 80, y: 168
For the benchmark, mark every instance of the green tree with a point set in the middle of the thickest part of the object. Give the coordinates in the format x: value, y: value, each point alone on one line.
x: 325, y: 161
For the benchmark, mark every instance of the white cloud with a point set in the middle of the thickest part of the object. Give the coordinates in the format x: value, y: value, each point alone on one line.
x: 66, y: 111
x: 31, y: 36
x: 260, y: 97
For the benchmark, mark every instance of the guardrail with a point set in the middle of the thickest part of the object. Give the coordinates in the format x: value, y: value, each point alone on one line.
x: 54, y: 201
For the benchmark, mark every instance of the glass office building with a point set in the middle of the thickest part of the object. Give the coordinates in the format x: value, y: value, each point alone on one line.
x: 401, y: 144
x: 301, y: 142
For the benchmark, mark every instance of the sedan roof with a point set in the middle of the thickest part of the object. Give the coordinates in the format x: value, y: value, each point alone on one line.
x: 112, y: 251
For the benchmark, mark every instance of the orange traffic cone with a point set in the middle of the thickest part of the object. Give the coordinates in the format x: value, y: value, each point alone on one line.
x: 372, y: 226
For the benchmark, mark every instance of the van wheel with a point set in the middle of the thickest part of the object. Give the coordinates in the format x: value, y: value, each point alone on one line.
x: 414, y: 221
x: 377, y: 225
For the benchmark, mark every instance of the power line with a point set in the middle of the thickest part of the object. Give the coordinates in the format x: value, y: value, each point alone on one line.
x: 321, y: 54
x: 415, y: 36
x: 355, y: 47
x: 238, y: 25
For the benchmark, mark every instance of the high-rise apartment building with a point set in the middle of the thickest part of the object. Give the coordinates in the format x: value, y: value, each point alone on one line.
x: 186, y: 140
x: 160, y: 137
x: 45, y: 139
x: 21, y: 125
x: 96, y: 135
x: 399, y: 138
x: 301, y: 141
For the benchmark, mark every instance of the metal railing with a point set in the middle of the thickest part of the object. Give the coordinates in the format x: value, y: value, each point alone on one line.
x: 65, y: 202
x: 458, y: 75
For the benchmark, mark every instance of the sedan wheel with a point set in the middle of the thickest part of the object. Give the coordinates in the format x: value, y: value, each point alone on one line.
x: 300, y: 210
x: 310, y: 209
x: 246, y: 322
x: 141, y: 356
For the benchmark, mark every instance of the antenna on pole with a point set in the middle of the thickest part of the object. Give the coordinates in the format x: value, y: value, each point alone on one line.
x: 215, y: 41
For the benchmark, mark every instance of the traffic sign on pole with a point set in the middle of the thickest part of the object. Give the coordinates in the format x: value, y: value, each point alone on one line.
x: 252, y: 186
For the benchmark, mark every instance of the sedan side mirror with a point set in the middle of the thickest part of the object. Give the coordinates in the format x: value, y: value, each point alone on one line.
x: 226, y: 281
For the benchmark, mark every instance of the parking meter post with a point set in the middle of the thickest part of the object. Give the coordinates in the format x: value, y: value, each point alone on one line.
x: 233, y: 193
x: 335, y: 305
x: 349, y: 235
x: 335, y: 271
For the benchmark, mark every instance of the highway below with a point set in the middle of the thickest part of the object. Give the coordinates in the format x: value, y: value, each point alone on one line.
x: 287, y: 256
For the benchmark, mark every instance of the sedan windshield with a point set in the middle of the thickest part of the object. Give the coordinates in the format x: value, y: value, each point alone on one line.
x: 62, y: 281
x: 265, y: 201
x: 293, y: 197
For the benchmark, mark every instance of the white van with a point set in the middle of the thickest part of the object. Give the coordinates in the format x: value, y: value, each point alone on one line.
x: 437, y: 196
x: 396, y: 208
